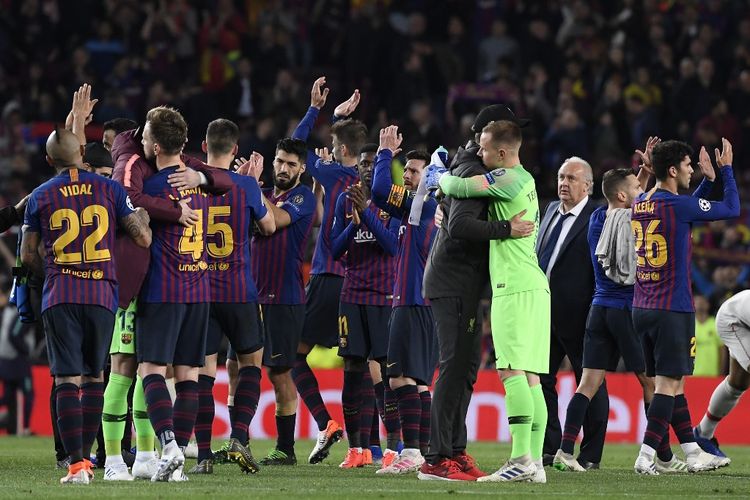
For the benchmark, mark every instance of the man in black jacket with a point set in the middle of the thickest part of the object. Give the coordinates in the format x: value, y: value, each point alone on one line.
x: 456, y: 274
x: 564, y: 255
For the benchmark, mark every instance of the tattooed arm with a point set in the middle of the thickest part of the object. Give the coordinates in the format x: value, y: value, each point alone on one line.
x: 136, y: 225
x: 30, y: 251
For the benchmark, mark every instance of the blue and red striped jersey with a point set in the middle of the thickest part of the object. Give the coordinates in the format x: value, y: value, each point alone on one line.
x: 335, y: 178
x: 661, y: 225
x: 178, y: 269
x: 230, y: 223
x: 277, y: 259
x: 414, y: 241
x: 76, y: 213
x: 370, y: 248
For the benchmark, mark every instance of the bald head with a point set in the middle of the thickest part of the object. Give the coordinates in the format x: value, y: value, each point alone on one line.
x: 63, y: 149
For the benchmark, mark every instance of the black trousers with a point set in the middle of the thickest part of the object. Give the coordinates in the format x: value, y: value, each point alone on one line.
x: 597, y: 415
x: 459, y: 343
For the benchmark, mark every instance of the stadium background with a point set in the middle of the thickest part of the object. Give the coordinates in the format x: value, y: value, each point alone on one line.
x: 595, y: 77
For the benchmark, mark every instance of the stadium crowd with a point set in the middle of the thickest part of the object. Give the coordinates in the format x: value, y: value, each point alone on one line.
x: 596, y: 80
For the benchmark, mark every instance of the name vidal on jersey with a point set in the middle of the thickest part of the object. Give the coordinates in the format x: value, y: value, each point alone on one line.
x: 75, y: 190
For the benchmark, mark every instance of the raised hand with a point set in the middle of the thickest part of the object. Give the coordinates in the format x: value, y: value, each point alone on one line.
x: 520, y: 228
x: 646, y: 153
x: 726, y: 156
x: 704, y: 162
x: 256, y: 165
x: 347, y: 107
x: 83, y: 105
x: 324, y: 154
x: 252, y: 167
x: 318, y: 94
x: 391, y: 139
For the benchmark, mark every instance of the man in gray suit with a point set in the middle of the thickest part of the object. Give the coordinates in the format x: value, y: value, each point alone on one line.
x: 564, y: 256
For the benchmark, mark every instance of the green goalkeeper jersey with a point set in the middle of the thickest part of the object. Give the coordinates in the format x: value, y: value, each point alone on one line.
x: 513, y: 262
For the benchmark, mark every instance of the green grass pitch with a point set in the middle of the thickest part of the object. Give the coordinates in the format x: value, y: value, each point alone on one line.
x: 27, y: 471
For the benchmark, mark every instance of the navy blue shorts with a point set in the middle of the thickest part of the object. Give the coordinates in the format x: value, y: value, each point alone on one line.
x: 363, y: 331
x: 78, y: 338
x: 283, y: 326
x: 167, y: 333
x: 322, y: 310
x: 412, y: 345
x: 239, y: 322
x: 609, y: 335
x: 668, y: 340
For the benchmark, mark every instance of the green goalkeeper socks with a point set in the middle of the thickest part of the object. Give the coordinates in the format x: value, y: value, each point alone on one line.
x: 144, y: 433
x: 539, y: 423
x: 520, y: 408
x: 114, y: 412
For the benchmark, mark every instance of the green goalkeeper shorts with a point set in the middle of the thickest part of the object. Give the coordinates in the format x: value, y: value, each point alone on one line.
x: 123, y: 338
x: 521, y: 330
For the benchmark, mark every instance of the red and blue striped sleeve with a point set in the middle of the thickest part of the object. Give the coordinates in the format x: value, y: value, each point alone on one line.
x: 31, y: 217
x: 385, y: 236
x: 342, y: 234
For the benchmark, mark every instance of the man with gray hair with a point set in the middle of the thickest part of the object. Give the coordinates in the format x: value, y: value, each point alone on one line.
x: 563, y: 252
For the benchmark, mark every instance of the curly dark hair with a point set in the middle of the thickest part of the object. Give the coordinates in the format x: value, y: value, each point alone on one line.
x: 293, y: 146
x: 668, y: 154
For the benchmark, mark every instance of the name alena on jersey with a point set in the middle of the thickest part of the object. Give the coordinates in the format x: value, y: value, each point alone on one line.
x: 644, y: 207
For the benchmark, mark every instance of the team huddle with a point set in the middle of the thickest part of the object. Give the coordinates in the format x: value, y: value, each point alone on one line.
x: 157, y: 265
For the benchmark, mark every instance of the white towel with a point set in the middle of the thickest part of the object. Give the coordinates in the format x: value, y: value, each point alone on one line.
x: 616, y: 248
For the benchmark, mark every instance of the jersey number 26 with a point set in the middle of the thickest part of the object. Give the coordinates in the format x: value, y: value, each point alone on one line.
x: 655, y: 251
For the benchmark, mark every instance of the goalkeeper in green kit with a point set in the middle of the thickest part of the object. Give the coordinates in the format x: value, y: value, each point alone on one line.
x: 520, y: 297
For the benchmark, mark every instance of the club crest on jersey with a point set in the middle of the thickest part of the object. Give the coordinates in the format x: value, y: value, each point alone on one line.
x: 126, y: 338
x: 704, y: 205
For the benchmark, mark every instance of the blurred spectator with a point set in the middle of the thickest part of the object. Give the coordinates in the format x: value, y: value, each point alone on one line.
x: 710, y: 353
x: 499, y: 46
x: 16, y: 344
x: 240, y: 96
x: 420, y: 131
x: 565, y: 138
x: 104, y: 49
